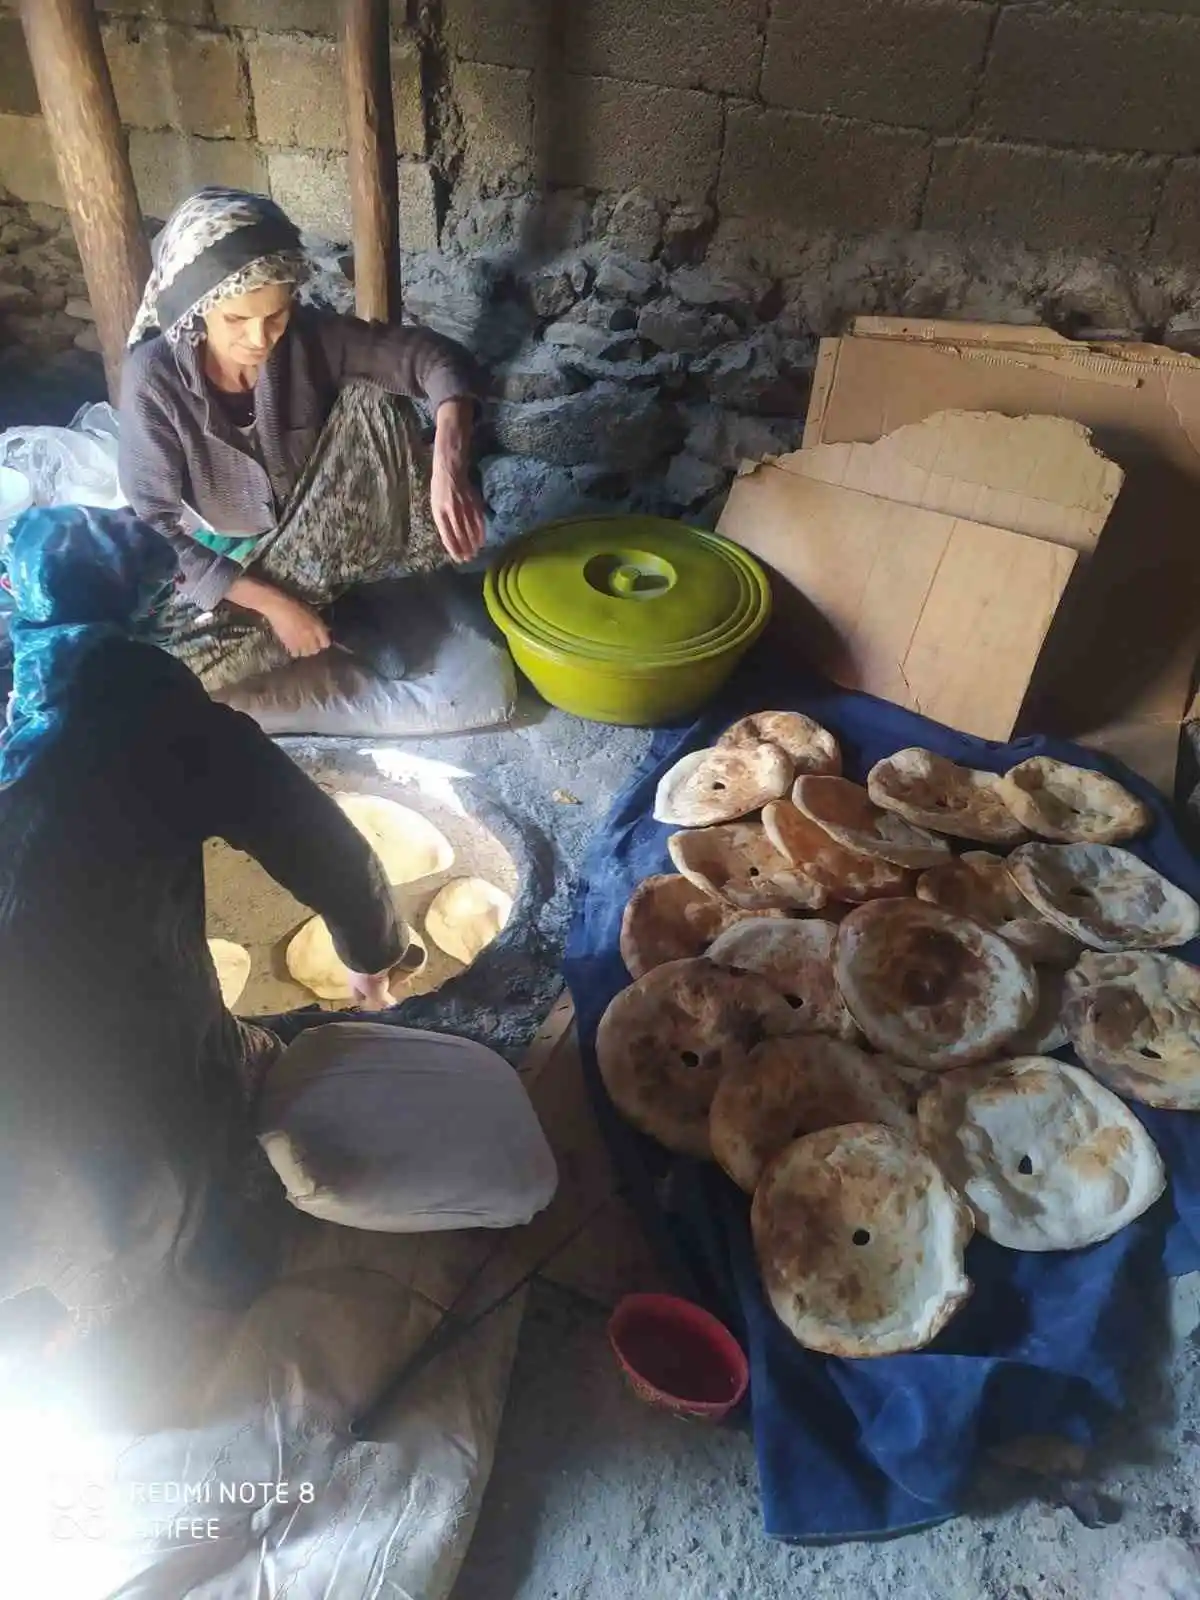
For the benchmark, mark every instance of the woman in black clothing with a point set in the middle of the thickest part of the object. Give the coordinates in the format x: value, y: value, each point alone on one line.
x: 125, y: 1128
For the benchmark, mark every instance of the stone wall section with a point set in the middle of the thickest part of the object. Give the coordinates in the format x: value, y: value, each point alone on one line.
x: 642, y: 213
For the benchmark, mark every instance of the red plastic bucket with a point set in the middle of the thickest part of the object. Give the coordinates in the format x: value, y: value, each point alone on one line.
x: 676, y: 1356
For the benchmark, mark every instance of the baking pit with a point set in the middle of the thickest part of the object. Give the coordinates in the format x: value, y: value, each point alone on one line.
x: 247, y: 907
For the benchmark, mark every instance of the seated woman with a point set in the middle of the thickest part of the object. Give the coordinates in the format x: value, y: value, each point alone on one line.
x: 264, y: 439
x: 127, y: 1143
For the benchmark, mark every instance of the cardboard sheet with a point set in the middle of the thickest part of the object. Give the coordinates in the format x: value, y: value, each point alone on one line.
x: 1036, y: 475
x: 935, y: 612
x: 1117, y: 671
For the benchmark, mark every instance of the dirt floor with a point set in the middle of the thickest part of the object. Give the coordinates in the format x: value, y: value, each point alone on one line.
x: 595, y: 1497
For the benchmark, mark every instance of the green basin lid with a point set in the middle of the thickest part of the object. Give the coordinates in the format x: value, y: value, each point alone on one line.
x: 636, y: 589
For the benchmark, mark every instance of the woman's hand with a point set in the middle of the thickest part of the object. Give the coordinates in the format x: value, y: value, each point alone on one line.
x: 454, y: 499
x: 300, y: 630
x: 371, y: 990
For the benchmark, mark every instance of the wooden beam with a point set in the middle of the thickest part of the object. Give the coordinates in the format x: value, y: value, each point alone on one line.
x: 371, y: 134
x: 92, y: 157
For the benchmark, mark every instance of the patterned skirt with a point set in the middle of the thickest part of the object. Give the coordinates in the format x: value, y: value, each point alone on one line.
x: 360, y: 514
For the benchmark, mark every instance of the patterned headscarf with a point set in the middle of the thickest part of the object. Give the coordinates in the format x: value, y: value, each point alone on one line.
x: 78, y: 578
x: 218, y: 244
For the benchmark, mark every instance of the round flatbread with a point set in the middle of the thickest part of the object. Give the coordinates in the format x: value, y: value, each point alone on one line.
x: 408, y: 844
x: 1106, y: 898
x: 1134, y: 1019
x: 852, y: 819
x: 844, y: 874
x: 668, y: 918
x: 807, y: 745
x: 979, y: 885
x: 797, y: 958
x: 664, y: 1042
x: 465, y: 915
x: 860, y: 1242
x: 720, y: 785
x: 738, y: 864
x: 316, y: 965
x: 233, y: 964
x: 933, y: 990
x: 931, y: 792
x: 1072, y: 804
x: 1048, y: 1158
x: 789, y: 1087
x: 1046, y: 1031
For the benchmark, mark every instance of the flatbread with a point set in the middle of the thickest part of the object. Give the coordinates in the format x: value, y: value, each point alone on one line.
x: 845, y: 874
x: 1134, y: 1019
x: 1072, y: 804
x: 789, y: 1087
x: 1046, y: 1031
x: 720, y: 785
x: 1048, y: 1158
x: 852, y: 819
x: 408, y: 844
x: 809, y: 746
x: 667, y: 918
x: 738, y: 864
x: 316, y: 965
x: 233, y: 964
x: 979, y: 885
x: 797, y: 959
x: 933, y: 990
x: 860, y: 1242
x: 465, y: 915
x: 931, y: 792
x: 1105, y: 897
x: 664, y: 1042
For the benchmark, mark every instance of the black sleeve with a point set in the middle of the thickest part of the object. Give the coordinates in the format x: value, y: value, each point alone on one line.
x: 259, y: 801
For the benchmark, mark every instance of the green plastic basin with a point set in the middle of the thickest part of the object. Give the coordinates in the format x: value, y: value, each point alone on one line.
x: 631, y: 620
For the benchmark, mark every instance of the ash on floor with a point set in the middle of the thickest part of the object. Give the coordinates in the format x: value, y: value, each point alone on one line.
x: 595, y: 1497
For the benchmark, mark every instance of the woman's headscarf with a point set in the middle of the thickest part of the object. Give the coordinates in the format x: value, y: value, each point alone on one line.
x: 217, y: 244
x: 78, y: 578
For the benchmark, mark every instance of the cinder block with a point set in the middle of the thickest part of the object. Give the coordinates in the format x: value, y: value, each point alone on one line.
x: 796, y: 170
x: 168, y: 166
x: 313, y: 187
x: 603, y: 134
x: 195, y: 11
x: 418, y: 207
x: 299, y: 97
x: 496, y: 107
x: 27, y: 167
x: 1176, y: 235
x: 1118, y: 80
x: 18, y: 92
x: 690, y: 44
x: 914, y: 62
x: 506, y: 33
x: 169, y: 77
x: 290, y: 16
x: 1047, y: 199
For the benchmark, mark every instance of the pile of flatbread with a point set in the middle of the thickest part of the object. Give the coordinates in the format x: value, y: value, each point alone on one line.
x: 847, y: 997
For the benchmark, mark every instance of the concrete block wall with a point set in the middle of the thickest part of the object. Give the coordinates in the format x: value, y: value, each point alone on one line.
x: 648, y: 209
x: 1059, y: 126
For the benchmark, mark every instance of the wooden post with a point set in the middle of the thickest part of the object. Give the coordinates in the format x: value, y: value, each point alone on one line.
x: 90, y: 151
x: 371, y: 136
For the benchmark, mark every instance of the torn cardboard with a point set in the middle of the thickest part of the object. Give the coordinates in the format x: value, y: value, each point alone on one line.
x: 1117, y: 670
x: 935, y: 612
x: 1036, y: 475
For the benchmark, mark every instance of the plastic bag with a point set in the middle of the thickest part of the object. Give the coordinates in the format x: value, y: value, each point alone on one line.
x: 68, y: 466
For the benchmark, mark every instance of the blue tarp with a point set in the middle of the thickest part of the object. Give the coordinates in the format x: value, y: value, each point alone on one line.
x: 1048, y: 1342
